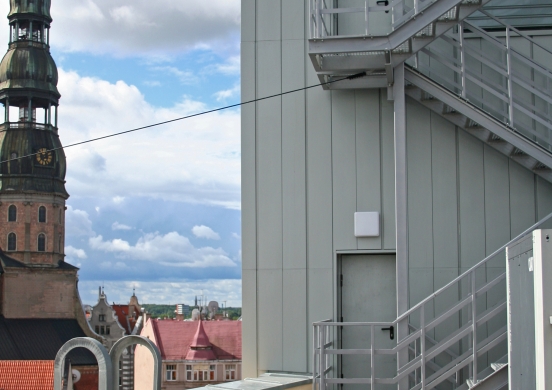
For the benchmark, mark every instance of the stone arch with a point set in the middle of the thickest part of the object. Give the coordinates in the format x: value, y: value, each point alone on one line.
x: 127, y: 341
x: 105, y: 368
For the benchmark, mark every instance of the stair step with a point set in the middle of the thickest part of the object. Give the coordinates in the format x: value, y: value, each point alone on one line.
x: 498, y: 366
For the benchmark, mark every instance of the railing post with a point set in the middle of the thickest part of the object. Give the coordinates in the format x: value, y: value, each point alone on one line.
x: 366, y: 27
x: 422, y: 345
x: 474, y: 325
x: 314, y: 332
x: 510, y: 87
x: 462, y: 58
x: 322, y: 357
x: 318, y: 18
x: 372, y: 376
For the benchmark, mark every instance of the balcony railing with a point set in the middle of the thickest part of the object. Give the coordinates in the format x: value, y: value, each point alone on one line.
x: 473, y: 325
x: 26, y: 125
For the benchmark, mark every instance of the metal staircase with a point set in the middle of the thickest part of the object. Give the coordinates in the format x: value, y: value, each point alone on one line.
x: 474, y: 325
x: 361, y: 36
x: 503, y: 97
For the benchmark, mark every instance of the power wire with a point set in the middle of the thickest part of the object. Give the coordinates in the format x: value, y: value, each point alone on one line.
x: 351, y: 77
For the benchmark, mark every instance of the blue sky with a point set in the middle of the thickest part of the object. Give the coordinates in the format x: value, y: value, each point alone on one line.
x: 158, y: 210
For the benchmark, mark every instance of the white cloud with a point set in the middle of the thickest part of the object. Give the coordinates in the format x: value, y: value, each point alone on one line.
x: 118, y: 199
x: 231, y: 67
x: 75, y: 253
x: 170, y: 249
x: 196, y: 160
x: 224, y: 95
x: 236, y: 236
x: 78, y: 223
x: 165, y: 292
x: 142, y: 27
x: 205, y: 232
x: 119, y: 226
x: 186, y: 77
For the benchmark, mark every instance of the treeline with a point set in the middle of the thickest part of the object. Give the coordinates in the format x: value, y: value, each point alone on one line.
x: 167, y: 311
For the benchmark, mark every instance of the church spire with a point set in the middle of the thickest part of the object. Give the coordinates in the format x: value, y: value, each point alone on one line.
x: 32, y: 172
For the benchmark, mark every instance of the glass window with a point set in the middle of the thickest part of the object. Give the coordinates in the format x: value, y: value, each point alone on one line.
x: 42, y: 242
x: 170, y: 373
x: 107, y: 330
x: 42, y: 214
x: 230, y: 372
x: 189, y: 372
x: 101, y: 317
x: 102, y: 329
x: 12, y: 242
x: 97, y: 329
x: 12, y: 213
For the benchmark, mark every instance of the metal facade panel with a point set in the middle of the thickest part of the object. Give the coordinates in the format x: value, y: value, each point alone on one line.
x: 368, y: 159
x: 319, y: 179
x: 249, y: 323
x: 472, y: 200
x: 293, y: 19
x: 269, y: 184
x: 270, y: 320
x: 544, y: 198
x: 269, y: 155
x: 387, y: 172
x: 248, y: 164
x: 294, y: 320
x: 294, y: 149
x: 343, y: 168
x: 522, y: 198
x: 420, y: 199
x: 445, y: 195
x: 443, y: 302
x: 268, y: 20
x: 497, y: 203
x: 421, y: 285
x: 248, y: 21
x: 320, y: 301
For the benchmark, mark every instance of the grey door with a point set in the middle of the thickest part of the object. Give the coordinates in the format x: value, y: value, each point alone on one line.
x: 368, y: 294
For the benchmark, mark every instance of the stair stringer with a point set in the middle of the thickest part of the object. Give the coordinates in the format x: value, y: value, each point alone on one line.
x: 488, y: 129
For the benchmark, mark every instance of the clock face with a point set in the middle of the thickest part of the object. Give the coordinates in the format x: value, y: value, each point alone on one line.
x: 44, y: 156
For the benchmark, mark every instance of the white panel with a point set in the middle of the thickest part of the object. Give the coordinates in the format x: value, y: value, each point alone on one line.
x: 268, y: 20
x: 295, y: 320
x: 445, y: 199
x: 248, y: 141
x: 270, y: 320
x: 247, y: 21
x: 294, y: 157
x: 472, y: 198
x: 420, y: 207
x: 293, y: 19
x: 344, y: 168
x: 269, y: 69
x: 319, y: 179
x: 367, y: 224
x: 321, y: 290
x: 249, y: 324
x: 522, y: 198
x: 497, y: 203
x: 387, y: 172
x: 368, y: 158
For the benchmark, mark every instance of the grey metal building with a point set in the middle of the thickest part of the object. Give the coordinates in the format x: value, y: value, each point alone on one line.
x: 364, y: 197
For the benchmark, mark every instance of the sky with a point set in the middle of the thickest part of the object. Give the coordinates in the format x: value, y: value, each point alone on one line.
x: 156, y: 210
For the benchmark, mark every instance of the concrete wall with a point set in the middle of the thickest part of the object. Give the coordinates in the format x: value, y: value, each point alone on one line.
x: 312, y: 158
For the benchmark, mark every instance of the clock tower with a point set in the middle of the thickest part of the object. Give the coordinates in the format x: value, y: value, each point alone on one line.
x: 35, y: 281
x: 32, y: 172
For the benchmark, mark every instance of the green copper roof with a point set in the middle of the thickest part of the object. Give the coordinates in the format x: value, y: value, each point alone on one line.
x: 26, y: 66
x: 36, y: 8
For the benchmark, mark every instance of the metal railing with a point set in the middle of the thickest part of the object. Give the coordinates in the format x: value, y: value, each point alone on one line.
x: 468, y: 316
x: 492, y: 74
x: 370, y: 18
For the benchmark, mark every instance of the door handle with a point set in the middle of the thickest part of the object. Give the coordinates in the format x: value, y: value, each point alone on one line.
x: 391, y: 330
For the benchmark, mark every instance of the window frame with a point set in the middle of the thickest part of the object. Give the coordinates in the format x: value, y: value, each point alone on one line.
x: 231, y: 369
x: 40, y: 208
x: 14, y: 235
x: 38, y: 242
x: 101, y: 317
x: 171, y: 372
x: 10, y: 208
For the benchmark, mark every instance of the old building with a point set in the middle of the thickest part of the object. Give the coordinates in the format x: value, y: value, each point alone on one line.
x: 427, y: 149
x: 194, y: 353
x: 39, y: 300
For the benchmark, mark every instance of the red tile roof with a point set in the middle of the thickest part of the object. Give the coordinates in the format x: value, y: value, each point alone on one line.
x: 122, y: 312
x: 174, y: 338
x: 26, y: 374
